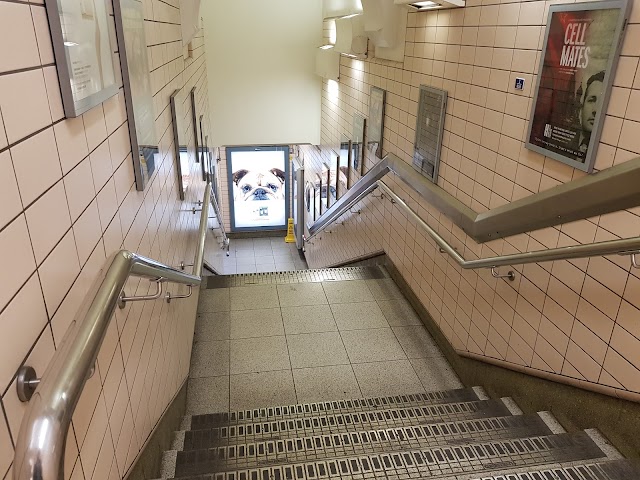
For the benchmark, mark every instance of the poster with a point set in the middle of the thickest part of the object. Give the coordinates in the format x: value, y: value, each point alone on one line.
x: 579, y: 58
x: 83, y: 50
x: 258, y: 184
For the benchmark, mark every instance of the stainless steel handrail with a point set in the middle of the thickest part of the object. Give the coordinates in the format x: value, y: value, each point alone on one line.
x: 463, y: 215
x: 202, y: 232
x: 41, y: 442
x: 225, y: 240
x: 611, y: 247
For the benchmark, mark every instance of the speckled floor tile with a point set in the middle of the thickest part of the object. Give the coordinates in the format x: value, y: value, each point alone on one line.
x: 347, y: 291
x: 262, y: 389
x: 254, y: 298
x: 207, y: 395
x: 357, y: 316
x: 316, y: 350
x: 216, y: 300
x: 256, y: 323
x: 299, y: 294
x: 212, y: 326
x: 384, y: 289
x: 251, y: 355
x: 435, y: 373
x: 372, y: 345
x: 399, y: 312
x: 308, y: 319
x: 387, y: 378
x: 209, y: 359
x: 417, y: 342
x: 325, y: 383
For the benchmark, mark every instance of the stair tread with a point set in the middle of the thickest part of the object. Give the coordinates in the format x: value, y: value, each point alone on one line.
x: 332, y: 407
x: 435, y: 461
x: 442, y: 432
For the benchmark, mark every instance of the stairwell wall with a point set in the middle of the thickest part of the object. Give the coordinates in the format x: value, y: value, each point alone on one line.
x: 69, y: 202
x: 571, y: 321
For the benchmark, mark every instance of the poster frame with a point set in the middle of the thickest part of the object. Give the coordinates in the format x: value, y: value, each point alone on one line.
x: 592, y: 149
x: 72, y: 107
x: 376, y: 123
x: 287, y: 186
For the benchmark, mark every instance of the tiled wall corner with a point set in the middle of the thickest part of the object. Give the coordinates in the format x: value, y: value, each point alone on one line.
x: 68, y: 203
x: 572, y: 320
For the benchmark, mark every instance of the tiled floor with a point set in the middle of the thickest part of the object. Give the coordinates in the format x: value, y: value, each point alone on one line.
x: 282, y: 344
x: 251, y: 255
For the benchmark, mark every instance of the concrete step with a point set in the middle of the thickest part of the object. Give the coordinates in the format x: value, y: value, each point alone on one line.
x: 436, y: 461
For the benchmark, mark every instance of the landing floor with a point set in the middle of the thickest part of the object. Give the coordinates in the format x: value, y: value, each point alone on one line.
x: 254, y: 255
x: 283, y: 344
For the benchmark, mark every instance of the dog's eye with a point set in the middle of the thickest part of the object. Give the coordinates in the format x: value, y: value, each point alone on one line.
x: 246, y: 188
x: 272, y: 187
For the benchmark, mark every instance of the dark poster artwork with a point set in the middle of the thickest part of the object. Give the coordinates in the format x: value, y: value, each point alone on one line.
x: 573, y: 87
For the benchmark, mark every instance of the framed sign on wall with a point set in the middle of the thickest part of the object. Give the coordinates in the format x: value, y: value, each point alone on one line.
x: 579, y: 56
x: 376, y: 120
x: 84, y: 53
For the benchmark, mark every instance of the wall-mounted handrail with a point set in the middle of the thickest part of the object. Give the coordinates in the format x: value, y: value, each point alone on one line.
x: 372, y: 180
x: 613, y: 189
x: 41, y: 442
x: 216, y: 208
x: 627, y: 246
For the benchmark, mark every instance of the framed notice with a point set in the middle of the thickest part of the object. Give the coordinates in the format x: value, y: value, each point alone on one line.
x: 577, y: 65
x: 376, y: 120
x: 84, y: 53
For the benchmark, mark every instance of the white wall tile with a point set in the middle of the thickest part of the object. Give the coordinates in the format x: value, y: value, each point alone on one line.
x: 17, y: 258
x: 58, y: 272
x: 78, y: 184
x: 72, y: 142
x: 48, y: 220
x: 20, y: 323
x: 53, y: 93
x: 9, y: 194
x: 18, y: 48
x: 39, y: 358
x: 87, y: 232
x: 101, y: 165
x: 19, y: 93
x: 43, y: 36
x: 36, y: 164
x: 95, y: 127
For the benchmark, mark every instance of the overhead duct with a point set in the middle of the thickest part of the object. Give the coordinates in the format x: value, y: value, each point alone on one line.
x: 386, y: 24
x: 189, y: 19
x: 351, y: 38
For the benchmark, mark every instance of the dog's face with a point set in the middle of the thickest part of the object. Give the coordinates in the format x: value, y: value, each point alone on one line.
x: 256, y: 185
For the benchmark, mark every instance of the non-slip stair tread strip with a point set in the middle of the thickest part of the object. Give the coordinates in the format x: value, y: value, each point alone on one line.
x: 617, y: 470
x: 404, y: 416
x: 296, y: 276
x: 335, y: 406
x: 438, y: 461
x: 459, y: 432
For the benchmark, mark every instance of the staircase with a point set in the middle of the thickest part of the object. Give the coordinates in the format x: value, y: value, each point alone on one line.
x: 450, y: 434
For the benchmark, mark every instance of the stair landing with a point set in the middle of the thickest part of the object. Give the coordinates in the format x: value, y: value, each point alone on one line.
x: 307, y: 336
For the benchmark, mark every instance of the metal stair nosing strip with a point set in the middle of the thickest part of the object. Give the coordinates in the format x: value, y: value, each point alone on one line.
x: 399, y: 416
x: 440, y: 432
x: 435, y: 461
x: 300, y: 410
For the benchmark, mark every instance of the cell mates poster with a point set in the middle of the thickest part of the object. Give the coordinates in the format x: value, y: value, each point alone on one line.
x: 578, y: 60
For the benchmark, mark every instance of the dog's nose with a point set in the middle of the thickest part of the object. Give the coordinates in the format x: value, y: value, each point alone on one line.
x: 260, y: 194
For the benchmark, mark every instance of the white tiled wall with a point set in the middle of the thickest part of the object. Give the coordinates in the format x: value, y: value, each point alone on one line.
x: 575, y: 322
x: 68, y: 201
